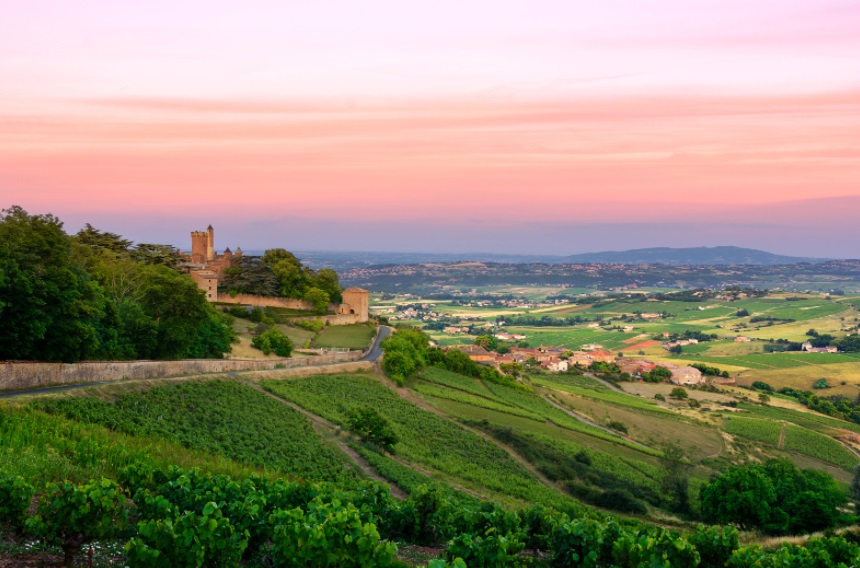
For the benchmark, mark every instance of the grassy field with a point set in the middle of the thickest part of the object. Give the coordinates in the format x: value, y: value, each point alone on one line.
x: 356, y: 336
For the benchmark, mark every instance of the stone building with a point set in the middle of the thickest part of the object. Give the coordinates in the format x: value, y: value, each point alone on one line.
x: 206, y: 267
x: 356, y: 301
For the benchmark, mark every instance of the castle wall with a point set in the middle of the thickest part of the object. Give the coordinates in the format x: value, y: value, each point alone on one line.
x: 336, y: 319
x: 267, y: 301
x: 15, y: 375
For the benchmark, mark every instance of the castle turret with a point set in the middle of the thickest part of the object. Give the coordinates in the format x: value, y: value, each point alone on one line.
x: 238, y: 252
x: 198, y: 247
x: 228, y: 256
x: 210, y: 243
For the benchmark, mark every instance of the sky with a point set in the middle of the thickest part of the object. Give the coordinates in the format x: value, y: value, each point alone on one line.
x: 542, y: 127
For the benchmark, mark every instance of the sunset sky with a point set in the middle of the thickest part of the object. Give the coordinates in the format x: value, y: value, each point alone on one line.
x: 448, y: 126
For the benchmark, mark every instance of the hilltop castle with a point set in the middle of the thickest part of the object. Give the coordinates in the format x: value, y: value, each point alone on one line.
x: 207, y: 267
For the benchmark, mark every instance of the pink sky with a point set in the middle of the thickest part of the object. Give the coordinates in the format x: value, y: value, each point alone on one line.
x: 453, y: 114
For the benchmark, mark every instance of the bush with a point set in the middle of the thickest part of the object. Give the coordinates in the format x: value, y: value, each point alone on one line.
x: 622, y: 501
x: 191, y: 539
x: 74, y: 515
x: 328, y: 534
x: 373, y: 428
x: 310, y: 325
x: 275, y: 341
x: 678, y: 393
x: 488, y: 551
x: 715, y: 544
x: 15, y: 497
x: 659, y: 396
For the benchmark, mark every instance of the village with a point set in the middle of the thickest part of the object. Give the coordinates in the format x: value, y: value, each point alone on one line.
x: 559, y: 360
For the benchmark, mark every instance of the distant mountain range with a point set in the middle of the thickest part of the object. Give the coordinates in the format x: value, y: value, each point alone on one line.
x: 340, y: 260
x: 693, y: 255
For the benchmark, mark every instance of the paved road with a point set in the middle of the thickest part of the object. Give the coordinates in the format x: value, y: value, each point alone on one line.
x: 372, y: 355
x: 376, y: 351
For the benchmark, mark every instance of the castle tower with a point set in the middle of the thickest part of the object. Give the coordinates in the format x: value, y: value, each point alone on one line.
x: 198, y: 247
x: 238, y: 252
x: 228, y: 256
x: 210, y: 243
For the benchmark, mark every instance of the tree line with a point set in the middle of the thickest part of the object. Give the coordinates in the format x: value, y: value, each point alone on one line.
x: 279, y: 273
x: 96, y: 295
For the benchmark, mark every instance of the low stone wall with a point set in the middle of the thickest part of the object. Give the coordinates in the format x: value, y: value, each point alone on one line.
x: 22, y: 375
x: 337, y: 319
x: 265, y: 301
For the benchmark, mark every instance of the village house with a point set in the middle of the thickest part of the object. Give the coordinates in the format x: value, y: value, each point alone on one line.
x: 684, y: 376
x: 555, y: 365
x: 742, y: 339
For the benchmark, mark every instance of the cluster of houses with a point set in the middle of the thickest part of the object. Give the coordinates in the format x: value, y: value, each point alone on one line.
x: 807, y: 346
x: 557, y: 359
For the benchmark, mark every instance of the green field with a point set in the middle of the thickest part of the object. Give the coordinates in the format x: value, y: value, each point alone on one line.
x: 356, y: 336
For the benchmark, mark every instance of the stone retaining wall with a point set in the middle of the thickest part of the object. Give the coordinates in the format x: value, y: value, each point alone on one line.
x: 21, y: 375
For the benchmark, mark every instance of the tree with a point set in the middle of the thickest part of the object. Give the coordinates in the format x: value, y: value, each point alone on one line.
x: 318, y: 298
x: 49, y: 306
x: 855, y: 489
x: 763, y: 398
x: 273, y: 341
x: 678, y: 393
x: 371, y: 427
x: 676, y: 477
x: 327, y: 280
x: 775, y: 497
x: 487, y: 341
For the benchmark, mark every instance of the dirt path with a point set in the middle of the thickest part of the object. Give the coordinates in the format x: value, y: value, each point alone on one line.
x: 408, y: 395
x: 781, y: 443
x: 328, y: 431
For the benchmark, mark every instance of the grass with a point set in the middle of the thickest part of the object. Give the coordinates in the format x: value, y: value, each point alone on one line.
x: 356, y: 336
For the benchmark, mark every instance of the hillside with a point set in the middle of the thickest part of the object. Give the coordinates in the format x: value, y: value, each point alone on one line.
x: 556, y: 444
x: 726, y: 255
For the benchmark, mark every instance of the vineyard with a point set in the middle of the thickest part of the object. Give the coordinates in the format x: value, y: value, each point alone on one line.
x: 220, y: 417
x: 495, y: 475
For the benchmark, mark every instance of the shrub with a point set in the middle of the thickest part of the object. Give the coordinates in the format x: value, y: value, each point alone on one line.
x: 620, y: 500
x: 275, y: 341
x: 329, y: 534
x: 373, y: 428
x: 73, y: 515
x: 678, y: 393
x: 15, y: 497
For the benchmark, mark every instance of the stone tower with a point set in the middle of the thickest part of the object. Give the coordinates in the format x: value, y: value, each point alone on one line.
x: 199, y: 245
x: 210, y: 243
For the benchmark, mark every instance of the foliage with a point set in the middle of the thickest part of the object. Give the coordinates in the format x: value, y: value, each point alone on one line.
x: 319, y: 298
x: 273, y: 341
x: 372, y: 428
x: 678, y: 393
x: 328, y: 534
x: 223, y: 417
x: 310, y: 325
x: 71, y: 516
x: 188, y: 539
x: 279, y: 273
x: 676, y: 478
x: 715, y: 544
x: 775, y: 497
x: 15, y: 497
x: 92, y: 296
x: 489, y: 550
